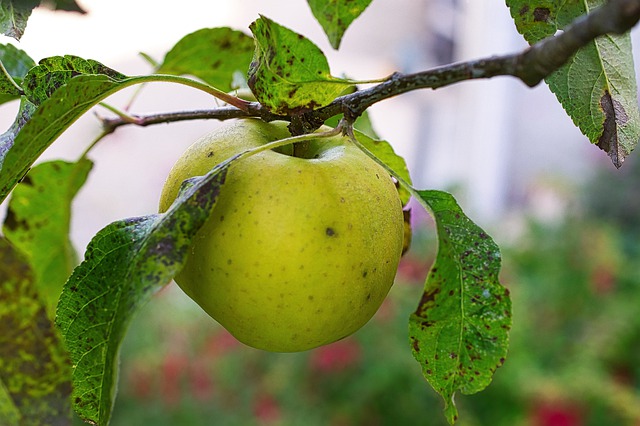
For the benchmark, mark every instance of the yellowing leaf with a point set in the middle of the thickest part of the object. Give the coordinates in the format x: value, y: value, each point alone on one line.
x: 35, y: 380
x: 38, y: 218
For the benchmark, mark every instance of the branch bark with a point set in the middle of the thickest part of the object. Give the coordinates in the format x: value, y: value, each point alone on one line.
x: 530, y: 66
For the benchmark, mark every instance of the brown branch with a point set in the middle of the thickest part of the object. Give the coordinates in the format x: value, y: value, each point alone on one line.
x: 531, y: 66
x: 221, y: 113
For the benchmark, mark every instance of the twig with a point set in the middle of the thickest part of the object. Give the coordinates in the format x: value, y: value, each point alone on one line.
x: 531, y: 66
x: 221, y: 113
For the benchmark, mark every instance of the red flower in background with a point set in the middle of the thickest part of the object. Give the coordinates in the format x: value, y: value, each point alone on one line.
x: 557, y: 413
x: 266, y: 409
x: 173, y: 369
x: 220, y: 344
x: 200, y: 380
x: 337, y: 356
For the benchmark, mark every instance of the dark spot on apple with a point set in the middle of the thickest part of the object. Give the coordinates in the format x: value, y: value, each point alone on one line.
x: 210, y: 154
x: 12, y: 222
x: 369, y: 296
x: 26, y: 180
x: 364, y: 275
x: 310, y: 298
x: 541, y: 14
x: 330, y: 232
x: 229, y: 262
x: 524, y: 10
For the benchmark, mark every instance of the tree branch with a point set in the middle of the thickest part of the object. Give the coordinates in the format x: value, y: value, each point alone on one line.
x: 531, y: 66
x: 221, y: 113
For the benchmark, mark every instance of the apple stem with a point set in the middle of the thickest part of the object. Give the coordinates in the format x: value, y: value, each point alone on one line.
x: 295, y: 140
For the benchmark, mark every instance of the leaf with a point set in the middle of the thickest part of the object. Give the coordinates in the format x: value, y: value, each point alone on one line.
x: 14, y: 65
x: 597, y: 87
x: 34, y: 371
x: 64, y: 5
x: 48, y: 122
x: 38, y: 218
x: 384, y: 151
x: 8, y: 411
x: 14, y: 16
x: 124, y: 264
x: 16, y: 61
x: 289, y: 74
x: 459, y: 332
x: 52, y: 73
x: 335, y: 16
x: 212, y: 55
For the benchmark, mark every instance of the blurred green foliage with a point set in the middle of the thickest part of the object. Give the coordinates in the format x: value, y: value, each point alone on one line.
x: 574, y: 356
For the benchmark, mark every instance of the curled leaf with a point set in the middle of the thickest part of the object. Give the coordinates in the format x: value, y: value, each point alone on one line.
x: 289, y: 74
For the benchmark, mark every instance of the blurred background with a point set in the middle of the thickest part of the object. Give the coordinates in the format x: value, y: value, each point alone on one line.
x: 567, y: 222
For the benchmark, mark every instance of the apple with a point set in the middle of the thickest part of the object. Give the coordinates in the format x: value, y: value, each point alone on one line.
x: 303, y: 244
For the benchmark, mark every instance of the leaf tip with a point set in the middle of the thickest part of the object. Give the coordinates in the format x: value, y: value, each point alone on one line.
x: 450, y: 410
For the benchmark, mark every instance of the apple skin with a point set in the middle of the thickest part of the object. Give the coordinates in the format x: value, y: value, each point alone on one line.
x: 298, y: 252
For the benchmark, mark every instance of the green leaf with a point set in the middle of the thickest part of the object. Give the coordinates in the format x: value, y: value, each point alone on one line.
x: 124, y: 265
x: 34, y: 371
x: 9, y: 413
x: 38, y: 218
x: 64, y: 5
x: 535, y: 19
x: 212, y: 55
x: 459, y: 332
x: 384, y: 151
x: 597, y: 87
x: 335, y: 16
x: 16, y: 61
x: 14, y: 16
x: 66, y: 92
x: 290, y: 74
x: 14, y: 65
x: 52, y: 73
x: 48, y: 122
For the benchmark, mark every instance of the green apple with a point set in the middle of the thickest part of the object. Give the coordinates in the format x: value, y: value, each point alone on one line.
x: 302, y: 246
